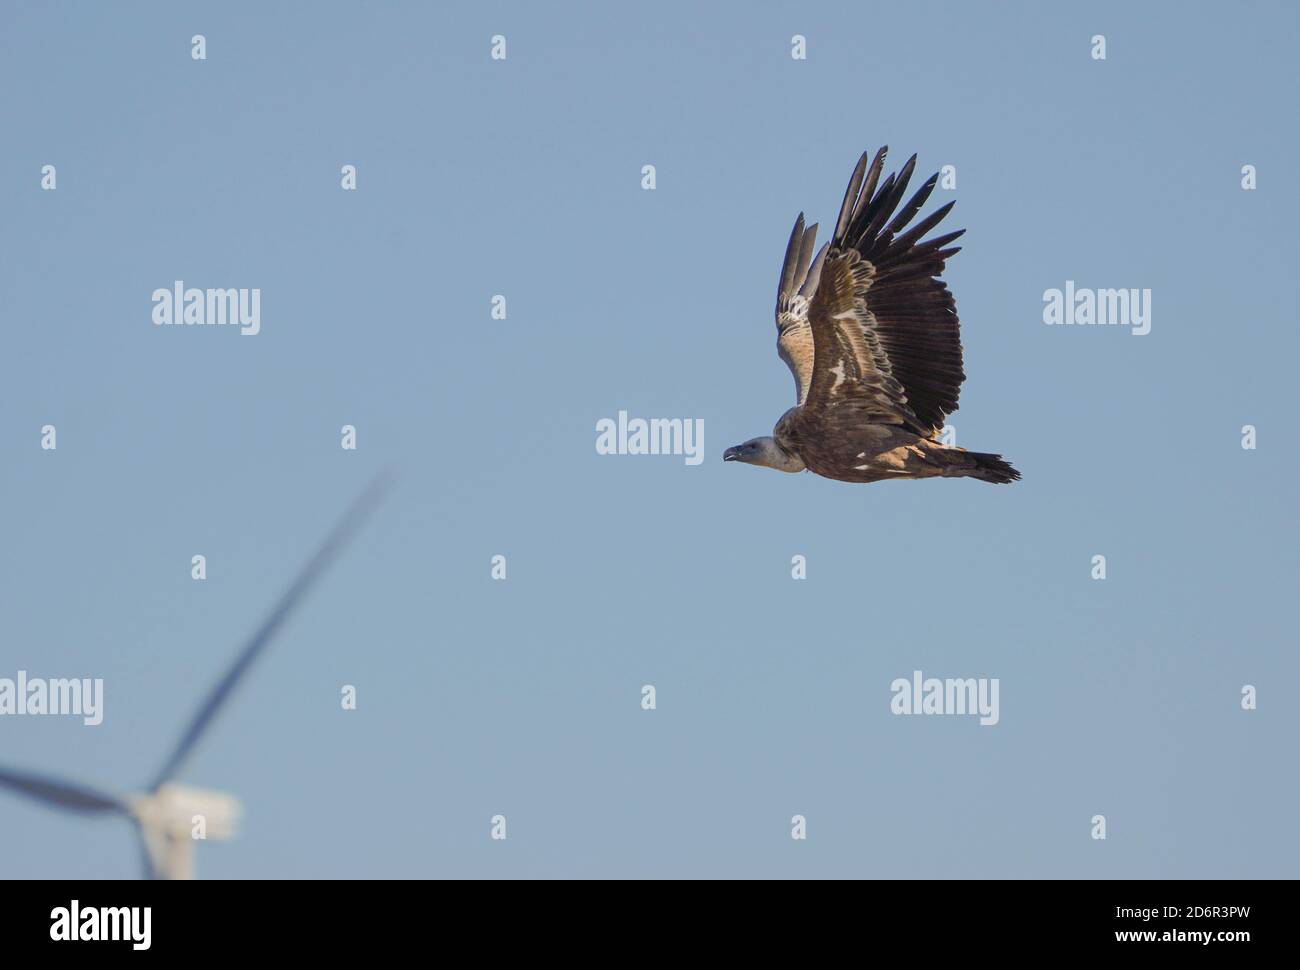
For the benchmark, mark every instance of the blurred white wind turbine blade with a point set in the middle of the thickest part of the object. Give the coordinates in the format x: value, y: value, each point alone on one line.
x: 167, y: 814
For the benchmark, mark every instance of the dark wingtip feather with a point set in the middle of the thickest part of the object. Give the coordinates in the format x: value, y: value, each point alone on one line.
x: 790, y: 265
x: 805, y: 257
x: 913, y: 206
x: 850, y: 197
x: 814, y: 272
x: 862, y: 197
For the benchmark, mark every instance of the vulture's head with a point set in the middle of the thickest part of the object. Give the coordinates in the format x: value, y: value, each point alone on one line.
x: 765, y: 452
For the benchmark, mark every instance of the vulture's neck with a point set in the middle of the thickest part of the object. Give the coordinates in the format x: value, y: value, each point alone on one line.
x: 772, y: 455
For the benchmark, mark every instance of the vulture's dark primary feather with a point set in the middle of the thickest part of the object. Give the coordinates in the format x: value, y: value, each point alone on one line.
x: 870, y: 333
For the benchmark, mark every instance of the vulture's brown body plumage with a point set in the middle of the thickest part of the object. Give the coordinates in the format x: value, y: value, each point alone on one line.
x: 871, y: 335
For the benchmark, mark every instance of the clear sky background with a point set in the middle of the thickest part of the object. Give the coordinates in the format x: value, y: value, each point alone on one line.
x: 477, y: 697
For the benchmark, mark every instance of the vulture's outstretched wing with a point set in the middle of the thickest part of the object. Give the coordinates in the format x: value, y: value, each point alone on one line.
x: 851, y: 380
x: 897, y: 330
x: 799, y: 274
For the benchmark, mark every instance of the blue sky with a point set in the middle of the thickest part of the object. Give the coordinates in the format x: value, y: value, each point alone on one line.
x: 523, y: 178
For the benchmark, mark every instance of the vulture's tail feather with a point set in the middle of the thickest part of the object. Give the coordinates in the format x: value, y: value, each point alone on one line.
x: 991, y: 468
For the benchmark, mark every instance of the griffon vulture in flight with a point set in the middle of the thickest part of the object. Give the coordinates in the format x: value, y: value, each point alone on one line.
x: 870, y: 333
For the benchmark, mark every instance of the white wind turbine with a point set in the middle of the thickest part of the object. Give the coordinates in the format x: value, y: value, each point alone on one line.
x: 164, y: 813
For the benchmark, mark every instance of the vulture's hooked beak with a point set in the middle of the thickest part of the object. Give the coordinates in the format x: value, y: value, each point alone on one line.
x: 731, y: 454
